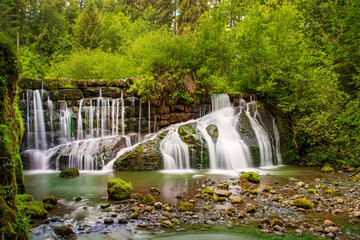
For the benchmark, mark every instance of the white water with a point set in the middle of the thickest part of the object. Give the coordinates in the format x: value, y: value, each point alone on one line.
x: 100, y: 118
x: 174, y: 151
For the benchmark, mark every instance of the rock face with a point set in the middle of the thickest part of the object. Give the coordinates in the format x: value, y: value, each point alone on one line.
x: 144, y: 157
x: 199, y: 154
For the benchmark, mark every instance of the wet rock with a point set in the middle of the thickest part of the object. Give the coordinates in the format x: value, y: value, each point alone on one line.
x: 222, y: 193
x: 64, y: 231
x: 249, y: 208
x: 118, y: 189
x: 148, y: 200
x: 278, y: 228
x: 135, y: 215
x: 252, y: 177
x: 149, y: 208
x: 356, y: 214
x: 266, y: 230
x: 106, y: 205
x: 122, y: 220
x: 158, y: 205
x: 258, y: 215
x: 300, y: 184
x: 339, y: 201
x: 265, y: 221
x: 187, y: 207
x: 155, y: 190
x: 223, y: 186
x: 302, y: 203
x: 78, y: 199
x: 277, y: 221
x: 108, y: 221
x: 237, y: 200
x: 267, y: 189
x: 142, y: 225
x: 328, y: 223
x: 167, y: 224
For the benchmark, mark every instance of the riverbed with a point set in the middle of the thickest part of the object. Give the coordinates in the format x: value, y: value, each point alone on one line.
x: 86, y: 217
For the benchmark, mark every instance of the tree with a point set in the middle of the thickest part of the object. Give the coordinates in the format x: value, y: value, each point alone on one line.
x: 190, y: 12
x: 87, y: 30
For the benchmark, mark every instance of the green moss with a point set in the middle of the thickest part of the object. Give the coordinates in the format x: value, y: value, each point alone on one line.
x: 330, y: 191
x: 7, y: 217
x: 118, y: 189
x: 313, y: 191
x: 250, y: 177
x: 155, y: 190
x: 148, y: 200
x: 50, y: 200
x: 327, y: 169
x: 207, y: 190
x: 187, y: 207
x: 30, y: 207
x: 69, y: 173
x: 303, y: 203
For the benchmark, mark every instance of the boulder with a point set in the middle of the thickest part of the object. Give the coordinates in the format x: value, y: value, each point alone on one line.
x: 118, y: 189
x: 187, y: 207
x: 148, y: 200
x: 252, y: 177
x: 144, y: 157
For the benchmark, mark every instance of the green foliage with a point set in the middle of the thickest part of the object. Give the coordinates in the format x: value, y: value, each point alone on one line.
x: 327, y: 169
x: 87, y: 30
x: 92, y: 64
x: 27, y: 206
x: 118, y: 189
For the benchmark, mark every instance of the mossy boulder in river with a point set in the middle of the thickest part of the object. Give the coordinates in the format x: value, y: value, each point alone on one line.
x: 118, y: 189
x: 69, y: 173
x: 187, y: 207
x: 148, y: 200
x: 252, y: 177
x: 212, y: 130
x: 199, y: 154
x: 144, y: 157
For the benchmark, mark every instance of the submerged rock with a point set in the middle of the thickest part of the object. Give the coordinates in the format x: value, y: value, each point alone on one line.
x: 64, y: 231
x: 118, y: 189
x: 69, y: 173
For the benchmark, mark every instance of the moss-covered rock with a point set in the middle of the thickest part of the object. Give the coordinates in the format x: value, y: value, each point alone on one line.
x: 155, y: 190
x: 187, y: 207
x: 69, y: 173
x: 49, y: 202
x: 144, y: 157
x: 148, y: 200
x: 237, y: 200
x: 252, y: 177
x: 302, y: 203
x: 207, y: 190
x: 212, y: 130
x: 197, y: 146
x: 223, y: 186
x: 118, y: 189
x: 327, y: 169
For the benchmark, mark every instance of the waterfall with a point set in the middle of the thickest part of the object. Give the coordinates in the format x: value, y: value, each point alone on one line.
x: 261, y: 135
x: 139, y: 129
x: 277, y: 142
x: 174, y: 151
x: 80, y: 122
x: 50, y: 109
x: 220, y: 101
x: 39, y: 122
x: 65, y: 122
x: 149, y: 117
x: 122, y: 114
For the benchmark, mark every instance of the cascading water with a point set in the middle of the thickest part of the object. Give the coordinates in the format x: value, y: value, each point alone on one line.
x: 174, y: 151
x: 96, y: 119
x: 86, y: 136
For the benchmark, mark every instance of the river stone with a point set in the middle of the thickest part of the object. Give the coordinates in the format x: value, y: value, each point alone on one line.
x: 328, y: 223
x: 250, y: 208
x: 236, y: 200
x: 122, y: 220
x: 300, y: 184
x: 357, y: 214
x: 108, y: 221
x: 221, y: 192
x: 278, y: 228
x: 158, y: 205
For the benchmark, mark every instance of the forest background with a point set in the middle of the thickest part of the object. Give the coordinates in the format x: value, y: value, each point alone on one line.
x: 301, y: 57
